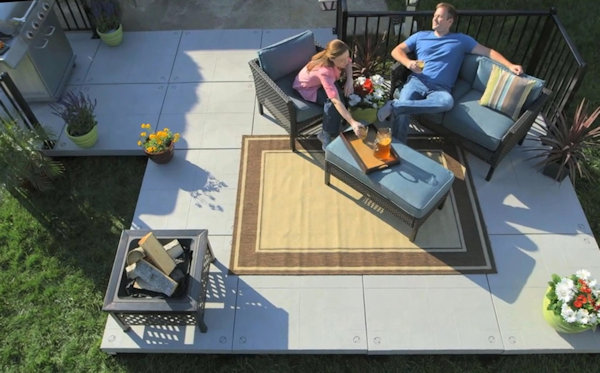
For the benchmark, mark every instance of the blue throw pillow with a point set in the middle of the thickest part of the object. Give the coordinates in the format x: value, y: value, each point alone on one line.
x: 288, y: 55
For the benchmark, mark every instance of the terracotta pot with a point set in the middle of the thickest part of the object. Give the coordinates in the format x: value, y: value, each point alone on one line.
x: 162, y: 157
x: 557, y: 322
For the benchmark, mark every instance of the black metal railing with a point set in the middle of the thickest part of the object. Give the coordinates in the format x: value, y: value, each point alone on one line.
x: 73, y: 15
x: 535, y: 39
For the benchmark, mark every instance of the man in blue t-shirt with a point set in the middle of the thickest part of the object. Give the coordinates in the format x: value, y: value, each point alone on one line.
x: 440, y: 54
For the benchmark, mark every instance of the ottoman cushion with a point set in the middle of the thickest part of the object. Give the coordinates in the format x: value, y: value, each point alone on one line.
x: 417, y: 184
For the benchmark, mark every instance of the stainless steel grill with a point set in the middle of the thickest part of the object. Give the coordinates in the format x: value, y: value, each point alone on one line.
x: 36, y: 53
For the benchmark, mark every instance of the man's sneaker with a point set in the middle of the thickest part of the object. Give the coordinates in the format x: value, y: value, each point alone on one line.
x: 325, y: 139
x: 385, y: 111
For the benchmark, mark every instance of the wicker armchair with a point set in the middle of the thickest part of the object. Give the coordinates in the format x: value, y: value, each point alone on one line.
x: 274, y: 72
x: 477, y: 129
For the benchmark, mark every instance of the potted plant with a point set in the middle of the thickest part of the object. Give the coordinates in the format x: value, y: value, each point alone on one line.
x: 106, y: 15
x: 22, y: 163
x: 565, y: 145
x: 370, y: 93
x: 571, y: 304
x: 77, y: 110
x: 158, y: 145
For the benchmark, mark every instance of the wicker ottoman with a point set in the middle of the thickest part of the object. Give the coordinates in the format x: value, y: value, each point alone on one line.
x: 410, y: 190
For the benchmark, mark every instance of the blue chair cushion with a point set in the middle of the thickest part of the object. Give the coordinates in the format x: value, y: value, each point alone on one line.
x: 288, y: 55
x: 477, y: 123
x: 304, y: 109
x: 417, y: 184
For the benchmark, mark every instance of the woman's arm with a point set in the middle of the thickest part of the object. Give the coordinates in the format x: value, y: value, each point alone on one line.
x: 346, y: 114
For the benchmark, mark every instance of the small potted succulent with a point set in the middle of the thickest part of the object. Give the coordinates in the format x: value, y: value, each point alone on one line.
x: 77, y: 110
x: 106, y: 16
x: 566, y: 145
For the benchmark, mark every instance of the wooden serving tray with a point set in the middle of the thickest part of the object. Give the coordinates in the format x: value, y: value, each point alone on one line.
x: 363, y: 151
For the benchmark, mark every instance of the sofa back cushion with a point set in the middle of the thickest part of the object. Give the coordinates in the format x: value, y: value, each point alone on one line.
x: 468, y: 69
x: 287, y: 56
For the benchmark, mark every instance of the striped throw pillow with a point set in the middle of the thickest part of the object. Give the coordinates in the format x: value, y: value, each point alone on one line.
x: 506, y: 92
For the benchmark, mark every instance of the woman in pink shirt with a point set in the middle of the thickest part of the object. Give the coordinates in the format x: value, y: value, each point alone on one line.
x: 316, y: 82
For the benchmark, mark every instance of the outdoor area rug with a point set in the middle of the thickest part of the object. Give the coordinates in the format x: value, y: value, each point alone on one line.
x: 289, y: 222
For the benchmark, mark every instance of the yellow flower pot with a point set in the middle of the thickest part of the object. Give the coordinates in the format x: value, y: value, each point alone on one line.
x: 557, y: 322
x: 162, y: 157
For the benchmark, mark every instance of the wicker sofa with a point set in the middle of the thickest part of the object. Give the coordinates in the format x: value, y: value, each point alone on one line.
x: 274, y: 71
x: 488, y: 134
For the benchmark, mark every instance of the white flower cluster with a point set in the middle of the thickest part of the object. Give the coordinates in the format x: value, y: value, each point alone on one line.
x: 375, y: 99
x: 567, y: 292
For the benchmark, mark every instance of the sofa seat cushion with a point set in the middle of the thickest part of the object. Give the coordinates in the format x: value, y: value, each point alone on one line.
x: 288, y: 55
x: 477, y: 123
x: 304, y: 109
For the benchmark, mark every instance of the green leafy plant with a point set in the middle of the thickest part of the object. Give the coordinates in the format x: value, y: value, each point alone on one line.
x: 77, y: 110
x: 575, y: 298
x: 368, y: 55
x: 369, y: 92
x: 158, y: 141
x: 21, y: 159
x: 106, y: 15
x: 568, y: 144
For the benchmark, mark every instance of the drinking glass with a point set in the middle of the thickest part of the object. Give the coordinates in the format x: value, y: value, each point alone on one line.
x: 383, y: 142
x: 363, y: 131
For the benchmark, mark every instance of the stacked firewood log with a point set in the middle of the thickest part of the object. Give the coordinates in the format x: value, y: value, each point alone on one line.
x: 152, y: 266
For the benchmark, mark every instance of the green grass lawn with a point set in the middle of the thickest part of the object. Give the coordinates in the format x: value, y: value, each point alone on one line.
x: 57, y: 249
x: 56, y: 257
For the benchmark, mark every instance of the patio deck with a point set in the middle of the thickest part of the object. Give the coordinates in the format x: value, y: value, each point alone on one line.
x: 198, y: 83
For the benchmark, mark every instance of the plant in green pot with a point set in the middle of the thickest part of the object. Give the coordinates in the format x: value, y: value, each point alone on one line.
x: 106, y: 16
x: 567, y: 145
x: 571, y: 303
x: 77, y: 110
x: 370, y: 93
x: 23, y: 165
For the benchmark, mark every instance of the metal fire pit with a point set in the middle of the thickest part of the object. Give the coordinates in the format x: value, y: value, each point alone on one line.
x: 185, y: 307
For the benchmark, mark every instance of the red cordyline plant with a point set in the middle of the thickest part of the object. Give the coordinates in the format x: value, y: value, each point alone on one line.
x: 567, y: 143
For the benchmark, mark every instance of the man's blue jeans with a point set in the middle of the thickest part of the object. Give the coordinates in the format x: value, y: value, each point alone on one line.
x: 416, y: 98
